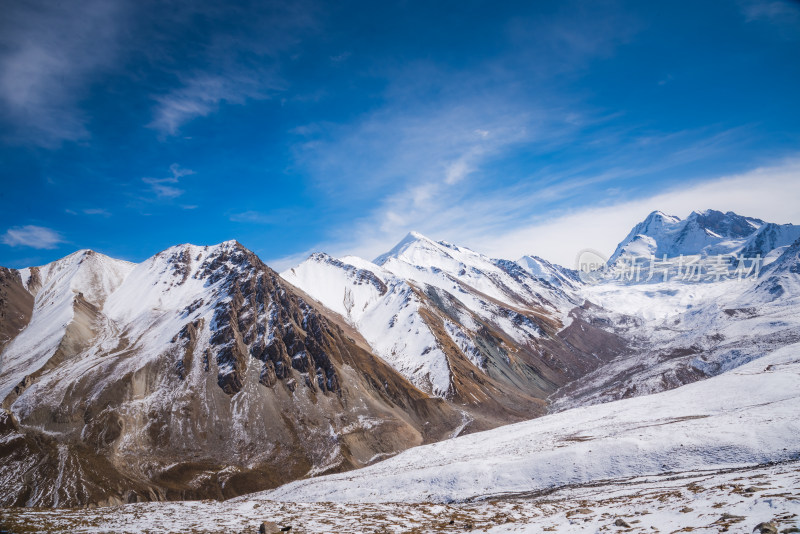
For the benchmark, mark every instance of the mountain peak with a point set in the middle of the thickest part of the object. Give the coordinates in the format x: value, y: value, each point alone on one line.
x: 704, y: 232
x: 409, y: 241
x: 727, y: 224
x: 658, y: 214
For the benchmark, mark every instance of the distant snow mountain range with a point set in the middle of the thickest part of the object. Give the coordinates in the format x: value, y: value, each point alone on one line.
x: 200, y: 372
x: 706, y: 233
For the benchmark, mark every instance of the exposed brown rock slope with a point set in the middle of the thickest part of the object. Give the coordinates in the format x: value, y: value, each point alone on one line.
x: 16, y: 305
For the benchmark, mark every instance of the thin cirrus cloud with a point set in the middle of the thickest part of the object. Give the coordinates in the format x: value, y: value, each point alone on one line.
x: 227, y: 78
x: 32, y: 236
x: 494, y: 227
x: 437, y: 143
x: 97, y: 211
x: 258, y: 217
x: 203, y: 94
x: 102, y: 212
x: 50, y: 53
x: 166, y: 188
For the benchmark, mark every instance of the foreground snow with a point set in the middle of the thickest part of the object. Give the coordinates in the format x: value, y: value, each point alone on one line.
x: 735, y: 500
x: 747, y: 416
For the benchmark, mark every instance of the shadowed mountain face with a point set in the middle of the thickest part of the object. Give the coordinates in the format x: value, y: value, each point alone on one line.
x: 202, y: 374
x: 16, y: 306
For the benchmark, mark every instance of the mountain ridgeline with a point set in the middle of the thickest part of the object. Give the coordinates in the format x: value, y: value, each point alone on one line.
x: 202, y: 373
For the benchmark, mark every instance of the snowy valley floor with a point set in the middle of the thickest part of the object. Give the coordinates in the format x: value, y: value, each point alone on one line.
x: 731, y: 501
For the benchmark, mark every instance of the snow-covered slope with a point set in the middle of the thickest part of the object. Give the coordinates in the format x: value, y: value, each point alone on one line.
x: 708, y: 425
x: 385, y: 310
x: 770, y: 241
x: 704, y: 233
x: 444, y: 265
x: 68, y: 292
x: 544, y: 270
x: 197, y: 373
x: 460, y: 325
x: 779, y: 283
x: 683, y: 333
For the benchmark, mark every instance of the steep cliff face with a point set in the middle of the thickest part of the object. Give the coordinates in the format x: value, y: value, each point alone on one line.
x: 203, y: 374
x: 16, y: 306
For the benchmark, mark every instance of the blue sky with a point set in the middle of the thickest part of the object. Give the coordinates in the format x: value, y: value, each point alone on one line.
x: 130, y: 126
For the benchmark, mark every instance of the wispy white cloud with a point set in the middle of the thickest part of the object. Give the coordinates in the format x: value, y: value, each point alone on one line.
x: 772, y: 10
x: 259, y: 217
x: 503, y: 225
x: 166, y: 188
x: 241, y: 60
x: 202, y: 94
x: 97, y: 211
x: 49, y: 54
x: 32, y: 236
x: 782, y: 15
x: 441, y: 142
x: 53, y: 53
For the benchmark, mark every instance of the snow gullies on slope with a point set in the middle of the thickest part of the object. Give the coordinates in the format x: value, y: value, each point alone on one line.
x: 780, y: 281
x: 454, y: 321
x: 85, y: 275
x: 542, y: 269
x: 384, y: 309
x: 428, y: 307
x: 193, y: 284
x: 687, y: 331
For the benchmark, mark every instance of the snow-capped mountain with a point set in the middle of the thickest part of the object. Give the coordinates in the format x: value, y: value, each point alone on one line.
x: 687, y: 331
x: 704, y: 233
x: 549, y: 272
x: 197, y: 373
x: 444, y: 265
x: 480, y: 332
x: 769, y: 241
x: 68, y: 293
x: 780, y: 281
x: 200, y: 372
